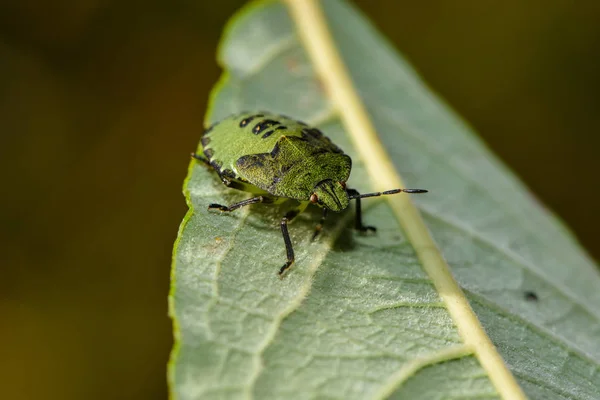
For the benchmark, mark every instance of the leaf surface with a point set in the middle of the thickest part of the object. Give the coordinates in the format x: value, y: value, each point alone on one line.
x: 357, y: 317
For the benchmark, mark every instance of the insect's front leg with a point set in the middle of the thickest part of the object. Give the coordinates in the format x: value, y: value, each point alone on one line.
x: 358, y: 224
x: 235, y: 206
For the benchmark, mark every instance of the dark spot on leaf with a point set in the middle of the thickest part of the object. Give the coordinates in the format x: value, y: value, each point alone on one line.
x: 531, y: 296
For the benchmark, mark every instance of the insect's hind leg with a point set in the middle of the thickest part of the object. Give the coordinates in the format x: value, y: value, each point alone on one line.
x: 247, y: 202
x: 358, y: 223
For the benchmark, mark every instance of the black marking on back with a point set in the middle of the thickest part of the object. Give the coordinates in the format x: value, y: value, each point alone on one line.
x: 217, y: 164
x: 264, y: 124
x: 311, y: 134
x: 209, y: 153
x: 205, y: 141
x: 269, y: 133
x: 320, y: 150
x: 272, y: 131
x: 285, y: 117
x: 276, y: 150
x: 207, y: 130
x: 246, y: 121
x: 314, y: 132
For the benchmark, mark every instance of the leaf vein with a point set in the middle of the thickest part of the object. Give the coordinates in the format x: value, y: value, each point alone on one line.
x: 409, y: 369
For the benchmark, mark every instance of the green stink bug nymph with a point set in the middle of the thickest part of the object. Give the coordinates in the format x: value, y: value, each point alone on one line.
x: 275, y: 158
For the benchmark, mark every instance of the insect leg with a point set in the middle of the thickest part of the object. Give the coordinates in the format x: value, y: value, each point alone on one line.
x: 233, y: 184
x: 358, y: 224
x: 288, y: 242
x: 319, y: 227
x: 235, y: 206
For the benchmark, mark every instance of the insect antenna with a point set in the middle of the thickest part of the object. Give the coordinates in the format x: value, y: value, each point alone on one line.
x: 393, y: 191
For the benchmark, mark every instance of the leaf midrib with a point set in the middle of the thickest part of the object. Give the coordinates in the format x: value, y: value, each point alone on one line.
x: 313, y: 31
x: 501, y: 205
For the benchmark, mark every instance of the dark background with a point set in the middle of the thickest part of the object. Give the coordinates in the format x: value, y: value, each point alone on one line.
x: 101, y: 102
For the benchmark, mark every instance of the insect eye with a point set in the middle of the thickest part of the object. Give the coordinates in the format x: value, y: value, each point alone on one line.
x: 314, y: 198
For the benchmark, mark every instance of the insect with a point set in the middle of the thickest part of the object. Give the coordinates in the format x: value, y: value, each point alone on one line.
x: 277, y: 158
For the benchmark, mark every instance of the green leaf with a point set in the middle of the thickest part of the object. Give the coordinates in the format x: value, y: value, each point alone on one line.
x: 358, y: 317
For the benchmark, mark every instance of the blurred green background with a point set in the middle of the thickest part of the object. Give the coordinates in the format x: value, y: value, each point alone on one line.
x: 103, y: 100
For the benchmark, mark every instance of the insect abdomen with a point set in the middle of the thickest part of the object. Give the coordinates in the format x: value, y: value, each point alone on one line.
x: 249, y: 133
